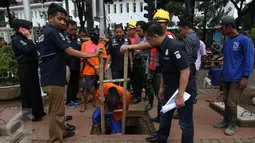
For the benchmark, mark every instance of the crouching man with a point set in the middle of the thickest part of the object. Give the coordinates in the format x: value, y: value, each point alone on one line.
x: 113, y: 104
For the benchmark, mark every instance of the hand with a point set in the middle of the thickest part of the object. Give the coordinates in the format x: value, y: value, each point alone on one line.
x: 97, y: 69
x: 124, y: 48
x: 101, y: 100
x: 161, y: 93
x: 25, y: 33
x: 105, y: 69
x: 98, y: 49
x: 243, y: 83
x: 179, y: 101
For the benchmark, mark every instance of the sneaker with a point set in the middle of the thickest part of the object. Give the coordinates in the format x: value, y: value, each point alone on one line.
x: 76, y: 102
x: 230, y: 131
x: 71, y: 105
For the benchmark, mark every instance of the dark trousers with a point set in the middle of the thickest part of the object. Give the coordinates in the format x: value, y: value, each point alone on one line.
x: 185, y: 122
x: 140, y: 80
x: 119, y: 75
x: 231, y: 97
x: 73, y: 86
x: 30, y: 88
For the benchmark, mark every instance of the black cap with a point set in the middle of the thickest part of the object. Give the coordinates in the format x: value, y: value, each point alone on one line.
x: 17, y: 23
x: 228, y: 20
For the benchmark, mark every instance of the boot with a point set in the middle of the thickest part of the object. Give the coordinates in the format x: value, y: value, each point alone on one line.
x: 157, y: 119
x: 225, y: 121
x: 230, y: 130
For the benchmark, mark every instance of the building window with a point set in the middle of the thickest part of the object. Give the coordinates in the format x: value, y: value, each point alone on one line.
x: 134, y: 7
x: 127, y: 7
x: 114, y: 7
x: 121, y: 8
x: 109, y: 9
x: 141, y: 6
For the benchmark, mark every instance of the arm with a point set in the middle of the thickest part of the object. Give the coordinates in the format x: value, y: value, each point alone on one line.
x: 141, y: 46
x: 70, y: 51
x: 184, y: 78
x: 109, y: 58
x: 249, y: 56
x: 90, y: 63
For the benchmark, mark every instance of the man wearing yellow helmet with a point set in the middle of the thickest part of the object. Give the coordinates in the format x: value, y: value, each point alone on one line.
x: 131, y: 33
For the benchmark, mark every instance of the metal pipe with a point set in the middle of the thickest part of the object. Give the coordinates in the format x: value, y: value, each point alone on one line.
x: 27, y: 12
x: 67, y: 7
x: 101, y: 17
x: 124, y: 93
x: 101, y: 88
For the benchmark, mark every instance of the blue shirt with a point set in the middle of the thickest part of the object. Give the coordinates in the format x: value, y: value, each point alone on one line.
x: 52, y: 57
x: 238, y: 58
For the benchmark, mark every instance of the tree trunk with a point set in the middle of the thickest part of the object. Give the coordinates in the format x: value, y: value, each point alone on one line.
x: 206, y: 6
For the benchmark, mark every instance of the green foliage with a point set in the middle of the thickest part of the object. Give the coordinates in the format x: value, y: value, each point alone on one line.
x: 8, y: 67
x: 252, y: 34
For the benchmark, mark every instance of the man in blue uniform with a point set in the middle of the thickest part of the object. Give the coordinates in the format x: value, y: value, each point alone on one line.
x: 27, y: 58
x: 176, y: 75
x: 74, y: 66
x: 114, y: 54
x: 238, y: 65
x: 53, y: 46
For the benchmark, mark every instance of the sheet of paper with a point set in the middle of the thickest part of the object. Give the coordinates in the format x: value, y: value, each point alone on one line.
x: 171, y: 102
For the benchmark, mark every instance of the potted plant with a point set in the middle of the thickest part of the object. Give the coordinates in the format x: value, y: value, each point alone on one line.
x: 9, y: 84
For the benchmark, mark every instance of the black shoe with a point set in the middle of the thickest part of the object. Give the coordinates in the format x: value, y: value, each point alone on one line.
x: 43, y: 114
x: 67, y: 118
x: 155, y: 119
x: 135, y: 101
x: 155, y: 139
x: 69, y: 127
x: 36, y: 118
x: 69, y: 134
x: 176, y: 117
x: 148, y: 107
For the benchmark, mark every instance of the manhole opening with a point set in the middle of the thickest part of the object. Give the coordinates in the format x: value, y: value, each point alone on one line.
x: 137, y: 122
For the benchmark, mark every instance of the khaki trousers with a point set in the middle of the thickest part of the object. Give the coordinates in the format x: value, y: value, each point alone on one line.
x: 56, y: 112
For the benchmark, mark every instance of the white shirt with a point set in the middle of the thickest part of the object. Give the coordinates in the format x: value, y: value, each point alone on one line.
x: 201, y: 52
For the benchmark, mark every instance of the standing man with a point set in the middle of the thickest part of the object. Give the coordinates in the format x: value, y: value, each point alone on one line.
x: 238, y: 65
x: 176, y: 75
x: 27, y: 58
x: 192, y: 44
x: 114, y: 54
x: 74, y: 66
x: 2, y: 42
x: 131, y: 32
x: 140, y: 72
x: 53, y: 46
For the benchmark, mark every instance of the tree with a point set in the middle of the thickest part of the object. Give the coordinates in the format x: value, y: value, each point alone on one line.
x: 6, y: 4
x: 211, y: 14
x: 241, y: 11
x: 247, y: 21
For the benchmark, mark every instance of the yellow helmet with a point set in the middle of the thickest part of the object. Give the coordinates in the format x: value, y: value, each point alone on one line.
x: 161, y: 16
x: 131, y: 24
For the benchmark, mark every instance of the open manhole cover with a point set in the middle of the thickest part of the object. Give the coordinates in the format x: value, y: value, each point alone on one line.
x: 137, y: 122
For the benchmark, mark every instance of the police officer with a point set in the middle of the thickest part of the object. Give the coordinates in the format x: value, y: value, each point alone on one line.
x: 114, y: 54
x: 176, y: 75
x: 74, y: 66
x: 27, y: 58
x: 53, y: 46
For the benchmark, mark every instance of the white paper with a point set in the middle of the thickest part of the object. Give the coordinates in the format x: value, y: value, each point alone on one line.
x: 171, y: 102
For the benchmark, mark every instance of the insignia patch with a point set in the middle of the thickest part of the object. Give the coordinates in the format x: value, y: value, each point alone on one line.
x: 170, y: 36
x: 62, y: 36
x: 41, y: 39
x: 235, y: 46
x: 23, y: 42
x: 166, y: 53
x: 126, y: 40
x: 177, y: 55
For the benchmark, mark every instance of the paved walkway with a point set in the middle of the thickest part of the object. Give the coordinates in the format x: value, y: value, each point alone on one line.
x: 204, y: 118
